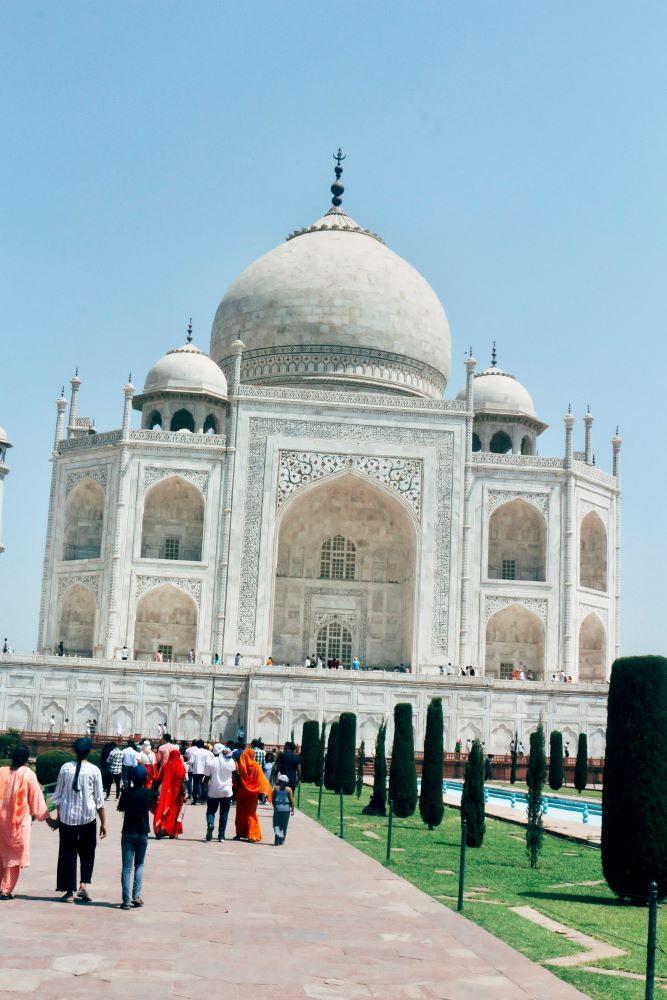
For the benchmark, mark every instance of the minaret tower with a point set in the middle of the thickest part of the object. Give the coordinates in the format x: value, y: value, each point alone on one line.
x: 4, y: 445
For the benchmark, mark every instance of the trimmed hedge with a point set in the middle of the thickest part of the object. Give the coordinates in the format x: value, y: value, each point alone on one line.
x: 431, y: 805
x: 581, y: 766
x: 47, y: 765
x: 321, y: 754
x: 310, y: 739
x: 361, y: 764
x: 346, y: 764
x: 402, y: 772
x: 535, y: 775
x: 472, y: 797
x: 331, y: 760
x: 556, y: 764
x: 634, y: 805
x: 378, y: 803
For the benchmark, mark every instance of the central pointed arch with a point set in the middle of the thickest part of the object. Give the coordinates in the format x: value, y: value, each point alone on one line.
x: 514, y: 642
x: 347, y: 551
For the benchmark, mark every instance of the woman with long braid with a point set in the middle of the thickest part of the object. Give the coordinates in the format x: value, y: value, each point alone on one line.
x: 78, y: 796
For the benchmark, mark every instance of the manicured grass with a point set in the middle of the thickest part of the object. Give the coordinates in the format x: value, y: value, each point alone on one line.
x: 501, y: 868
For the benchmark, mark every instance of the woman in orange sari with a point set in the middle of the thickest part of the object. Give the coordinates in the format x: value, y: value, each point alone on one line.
x: 20, y: 799
x: 251, y: 783
x: 168, y: 819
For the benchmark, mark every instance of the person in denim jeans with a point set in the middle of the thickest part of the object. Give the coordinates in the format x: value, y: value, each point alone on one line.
x: 135, y: 803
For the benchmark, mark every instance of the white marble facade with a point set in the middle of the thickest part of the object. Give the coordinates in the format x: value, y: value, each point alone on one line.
x: 307, y: 489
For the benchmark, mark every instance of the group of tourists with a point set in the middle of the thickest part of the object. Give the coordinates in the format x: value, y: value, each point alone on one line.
x: 149, y: 785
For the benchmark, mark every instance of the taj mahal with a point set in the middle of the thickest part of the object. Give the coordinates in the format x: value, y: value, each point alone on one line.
x: 312, y: 485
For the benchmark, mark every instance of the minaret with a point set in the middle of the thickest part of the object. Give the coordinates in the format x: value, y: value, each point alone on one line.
x: 4, y: 471
x: 61, y: 406
x: 588, y: 441
x: 112, y: 637
x: 464, y: 645
x: 616, y: 443
x: 47, y: 573
x: 568, y: 547
x: 75, y: 382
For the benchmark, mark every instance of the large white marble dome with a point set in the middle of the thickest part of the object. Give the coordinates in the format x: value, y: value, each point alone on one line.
x: 334, y: 305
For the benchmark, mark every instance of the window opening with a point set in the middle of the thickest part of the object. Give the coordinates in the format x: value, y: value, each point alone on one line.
x: 334, y: 642
x: 167, y: 652
x: 171, y: 548
x: 210, y: 425
x: 509, y: 569
x: 338, y: 559
x: 182, y: 420
x: 506, y: 671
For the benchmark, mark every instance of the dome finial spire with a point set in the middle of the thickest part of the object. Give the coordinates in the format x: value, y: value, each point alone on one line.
x: 494, y: 355
x: 337, y: 188
x: 189, y: 336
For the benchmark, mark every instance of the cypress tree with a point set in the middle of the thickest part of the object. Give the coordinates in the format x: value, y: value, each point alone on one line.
x: 378, y: 803
x: 535, y: 775
x: 472, y: 797
x: 361, y: 764
x: 402, y: 772
x: 634, y: 804
x: 514, y: 753
x: 556, y: 766
x: 581, y: 767
x: 346, y: 755
x: 310, y: 740
x: 431, y: 805
x: 331, y: 760
x: 319, y: 766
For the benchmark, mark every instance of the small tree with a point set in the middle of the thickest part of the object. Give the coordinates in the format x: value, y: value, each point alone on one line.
x: 310, y: 740
x: 581, y: 767
x: 472, y: 797
x: 48, y: 764
x: 346, y: 773
x: 556, y: 766
x: 402, y: 772
x: 431, y: 805
x: 535, y: 775
x: 378, y: 803
x: 331, y: 761
x: 361, y: 764
x: 321, y: 754
x: 634, y: 804
x: 514, y: 753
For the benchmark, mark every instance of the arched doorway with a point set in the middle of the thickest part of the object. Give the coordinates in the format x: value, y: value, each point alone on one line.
x: 346, y: 554
x: 166, y: 623
x: 76, y: 625
x: 593, y: 553
x: 173, y: 523
x: 514, y: 642
x: 592, y: 649
x: 84, y: 516
x: 334, y: 642
x: 517, y: 542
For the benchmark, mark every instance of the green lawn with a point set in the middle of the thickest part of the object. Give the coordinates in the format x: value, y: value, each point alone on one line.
x: 501, y: 868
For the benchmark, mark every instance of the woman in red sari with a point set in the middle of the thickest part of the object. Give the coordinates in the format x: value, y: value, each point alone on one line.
x: 251, y: 783
x: 168, y: 819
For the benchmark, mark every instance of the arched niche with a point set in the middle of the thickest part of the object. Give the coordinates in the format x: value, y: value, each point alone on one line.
x: 514, y: 641
x: 18, y: 716
x: 476, y: 442
x: 76, y: 621
x: 517, y: 542
x: 376, y: 605
x: 527, y: 445
x: 165, y: 622
x: 84, y: 518
x: 154, y: 422
x: 501, y: 443
x: 334, y: 642
x: 182, y: 420
x: 173, y: 524
x: 592, y: 649
x: 210, y: 424
x: 593, y: 552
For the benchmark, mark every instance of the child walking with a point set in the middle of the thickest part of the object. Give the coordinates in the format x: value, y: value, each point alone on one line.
x: 283, y: 808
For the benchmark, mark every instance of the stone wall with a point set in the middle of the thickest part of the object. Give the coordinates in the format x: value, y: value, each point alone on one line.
x: 194, y: 700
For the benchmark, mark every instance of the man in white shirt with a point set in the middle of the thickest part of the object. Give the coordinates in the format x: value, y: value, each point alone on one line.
x: 198, y: 760
x: 219, y: 768
x: 130, y: 755
x: 79, y: 798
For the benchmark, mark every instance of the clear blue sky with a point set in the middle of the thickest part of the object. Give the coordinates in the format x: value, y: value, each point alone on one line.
x: 515, y: 153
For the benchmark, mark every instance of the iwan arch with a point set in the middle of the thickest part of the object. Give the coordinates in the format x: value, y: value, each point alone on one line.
x: 311, y: 484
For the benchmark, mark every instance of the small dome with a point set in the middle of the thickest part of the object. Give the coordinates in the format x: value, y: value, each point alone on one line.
x: 186, y: 369
x: 334, y: 304
x: 4, y: 439
x: 496, y: 391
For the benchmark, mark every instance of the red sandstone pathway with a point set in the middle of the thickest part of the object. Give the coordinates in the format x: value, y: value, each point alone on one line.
x: 314, y: 919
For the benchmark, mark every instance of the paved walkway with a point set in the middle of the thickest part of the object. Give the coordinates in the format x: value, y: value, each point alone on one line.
x: 314, y: 919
